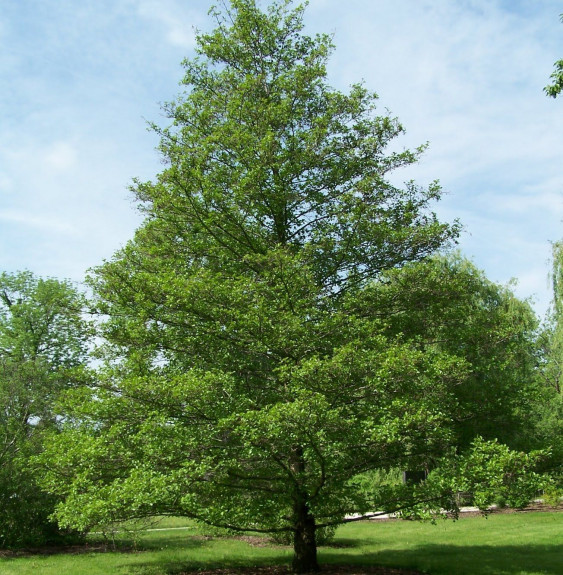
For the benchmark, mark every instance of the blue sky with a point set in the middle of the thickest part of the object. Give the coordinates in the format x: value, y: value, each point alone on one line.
x: 80, y: 78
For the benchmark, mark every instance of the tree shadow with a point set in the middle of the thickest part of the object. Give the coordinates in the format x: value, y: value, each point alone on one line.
x: 188, y: 555
x: 177, y: 566
x: 121, y: 546
x: 439, y: 559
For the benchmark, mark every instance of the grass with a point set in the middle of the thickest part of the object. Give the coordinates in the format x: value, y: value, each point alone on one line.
x: 505, y: 544
x: 157, y: 553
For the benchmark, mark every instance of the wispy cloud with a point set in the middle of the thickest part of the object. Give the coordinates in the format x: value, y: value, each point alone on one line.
x: 468, y: 77
x: 39, y: 221
x: 79, y: 77
x: 177, y: 30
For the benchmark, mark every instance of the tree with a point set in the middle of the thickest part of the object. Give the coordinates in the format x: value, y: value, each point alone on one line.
x: 552, y: 339
x: 556, y: 87
x: 447, y: 303
x: 549, y: 411
x: 250, y: 373
x: 42, y: 336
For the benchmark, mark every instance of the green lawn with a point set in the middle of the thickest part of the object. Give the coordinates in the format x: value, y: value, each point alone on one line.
x: 513, y: 544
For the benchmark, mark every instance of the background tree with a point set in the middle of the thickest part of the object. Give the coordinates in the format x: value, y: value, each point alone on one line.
x: 556, y: 86
x: 446, y: 303
x: 549, y: 411
x: 42, y: 336
x: 554, y: 371
x: 251, y: 372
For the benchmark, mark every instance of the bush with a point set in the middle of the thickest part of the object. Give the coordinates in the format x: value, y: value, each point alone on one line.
x: 25, y: 513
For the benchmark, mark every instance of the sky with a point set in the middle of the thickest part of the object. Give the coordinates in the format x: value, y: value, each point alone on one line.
x: 80, y: 80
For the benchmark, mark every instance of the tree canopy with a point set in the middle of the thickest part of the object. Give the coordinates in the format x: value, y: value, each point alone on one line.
x: 270, y: 334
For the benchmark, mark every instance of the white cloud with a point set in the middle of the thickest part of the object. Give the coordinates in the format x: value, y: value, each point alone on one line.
x: 468, y: 77
x: 78, y: 78
x: 178, y: 23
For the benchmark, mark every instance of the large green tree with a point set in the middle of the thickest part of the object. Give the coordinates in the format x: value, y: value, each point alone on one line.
x: 42, y: 336
x: 448, y: 304
x: 252, y: 371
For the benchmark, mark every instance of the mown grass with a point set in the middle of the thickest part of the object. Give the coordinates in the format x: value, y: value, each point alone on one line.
x: 513, y: 544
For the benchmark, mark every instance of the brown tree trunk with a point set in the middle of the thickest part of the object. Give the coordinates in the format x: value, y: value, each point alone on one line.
x: 304, y: 541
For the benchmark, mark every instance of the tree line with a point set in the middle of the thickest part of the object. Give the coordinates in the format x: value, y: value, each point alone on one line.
x: 285, y: 327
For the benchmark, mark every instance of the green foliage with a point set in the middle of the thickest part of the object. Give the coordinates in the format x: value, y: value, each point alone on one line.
x: 25, y: 510
x: 548, y: 411
x: 448, y: 306
x: 491, y: 470
x: 369, y: 481
x: 552, y: 338
x: 42, y: 337
x: 41, y: 319
x: 556, y: 86
x: 275, y: 327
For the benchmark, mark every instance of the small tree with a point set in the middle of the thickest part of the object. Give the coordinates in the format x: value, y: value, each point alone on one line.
x: 251, y: 372
x: 42, y: 336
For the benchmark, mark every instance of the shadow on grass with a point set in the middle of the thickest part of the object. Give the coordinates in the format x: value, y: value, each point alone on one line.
x: 100, y: 546
x: 177, y: 554
x: 176, y: 566
x: 440, y: 559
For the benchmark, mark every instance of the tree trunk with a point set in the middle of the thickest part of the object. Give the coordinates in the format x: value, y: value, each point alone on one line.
x: 304, y: 541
